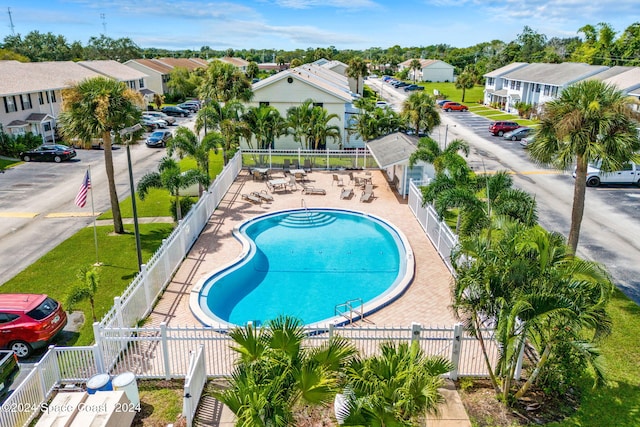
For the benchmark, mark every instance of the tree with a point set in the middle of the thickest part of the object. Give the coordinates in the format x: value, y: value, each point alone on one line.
x: 275, y: 373
x: 415, y: 65
x: 181, y: 83
x: 224, y: 82
x: 420, y: 113
x: 394, y: 388
x: 226, y: 119
x: 158, y: 100
x: 266, y: 124
x: 356, y: 70
x: 590, y: 122
x: 186, y: 143
x: 466, y: 80
x: 89, y: 278
x: 525, y: 283
x: 298, y: 122
x: 170, y: 177
x: 320, y: 129
x: 94, y: 108
x: 252, y: 70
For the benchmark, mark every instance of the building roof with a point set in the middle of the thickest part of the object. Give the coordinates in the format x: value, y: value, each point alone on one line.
x: 188, y: 63
x: 152, y: 65
x: 626, y: 79
x: 114, y: 69
x: 393, y: 149
x: 37, y: 117
x: 238, y: 62
x: 554, y: 74
x: 506, y: 69
x: 29, y: 77
x: 424, y: 63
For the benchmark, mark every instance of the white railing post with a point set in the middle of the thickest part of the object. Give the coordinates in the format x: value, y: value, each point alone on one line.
x: 41, y: 379
x: 97, y: 348
x: 117, y: 304
x: 455, y: 350
x: 145, y: 284
x: 416, y: 328
x: 332, y: 327
x: 165, y: 350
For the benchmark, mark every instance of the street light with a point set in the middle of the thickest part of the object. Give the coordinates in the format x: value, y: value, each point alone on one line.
x: 124, y: 132
x: 446, y: 131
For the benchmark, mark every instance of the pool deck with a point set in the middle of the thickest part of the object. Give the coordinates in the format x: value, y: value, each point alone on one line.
x: 426, y: 301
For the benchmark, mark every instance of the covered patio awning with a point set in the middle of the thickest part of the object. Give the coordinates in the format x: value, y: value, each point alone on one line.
x: 501, y: 93
x: 393, y: 149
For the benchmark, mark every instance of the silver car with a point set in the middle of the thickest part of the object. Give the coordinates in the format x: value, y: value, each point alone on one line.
x: 161, y: 116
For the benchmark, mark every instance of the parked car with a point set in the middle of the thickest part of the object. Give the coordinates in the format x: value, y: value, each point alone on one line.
x: 382, y: 104
x: 8, y: 369
x: 189, y: 107
x: 441, y: 102
x: 629, y: 174
x: 454, y: 106
x: 156, y: 121
x: 149, y: 124
x: 413, y: 87
x: 518, y: 134
x: 29, y: 321
x: 48, y: 153
x: 527, y: 140
x: 500, y: 128
x: 158, y: 138
x: 159, y: 115
x: 170, y: 110
x: 398, y: 85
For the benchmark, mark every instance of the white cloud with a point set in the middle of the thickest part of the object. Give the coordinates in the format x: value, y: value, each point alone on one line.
x: 338, y: 4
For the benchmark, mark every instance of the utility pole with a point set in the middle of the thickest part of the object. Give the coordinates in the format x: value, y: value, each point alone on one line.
x: 104, y: 23
x: 13, y: 33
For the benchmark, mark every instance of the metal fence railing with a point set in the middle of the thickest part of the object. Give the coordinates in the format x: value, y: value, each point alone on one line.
x: 359, y: 158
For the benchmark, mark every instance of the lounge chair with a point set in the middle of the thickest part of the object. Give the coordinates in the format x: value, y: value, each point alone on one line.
x: 252, y: 198
x: 346, y: 193
x: 300, y: 176
x: 306, y: 189
x: 263, y: 195
x: 367, y: 194
x: 307, y: 165
x: 292, y: 182
x: 337, y: 180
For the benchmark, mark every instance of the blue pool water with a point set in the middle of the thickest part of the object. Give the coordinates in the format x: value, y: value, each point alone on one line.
x: 303, y: 263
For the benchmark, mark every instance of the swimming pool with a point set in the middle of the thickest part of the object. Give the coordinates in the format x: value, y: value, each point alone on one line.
x: 305, y: 263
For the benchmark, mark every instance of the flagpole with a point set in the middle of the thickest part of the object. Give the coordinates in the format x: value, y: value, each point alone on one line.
x: 93, y: 214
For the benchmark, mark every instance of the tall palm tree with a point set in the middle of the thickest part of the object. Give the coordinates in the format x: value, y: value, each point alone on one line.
x: 266, y: 124
x: 320, y: 129
x: 420, y: 113
x: 186, y: 143
x: 224, y: 82
x: 94, y: 108
x: 394, y: 388
x: 225, y: 118
x: 357, y: 69
x: 590, y: 122
x: 415, y: 65
x: 298, y: 122
x: 275, y: 373
x: 170, y: 177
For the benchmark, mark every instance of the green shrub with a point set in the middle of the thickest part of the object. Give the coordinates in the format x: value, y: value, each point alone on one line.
x: 185, y: 206
x: 12, y: 145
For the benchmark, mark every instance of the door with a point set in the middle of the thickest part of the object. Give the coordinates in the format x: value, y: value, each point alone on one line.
x: 624, y: 176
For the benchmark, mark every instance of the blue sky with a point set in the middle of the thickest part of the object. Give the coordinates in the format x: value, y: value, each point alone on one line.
x: 292, y: 24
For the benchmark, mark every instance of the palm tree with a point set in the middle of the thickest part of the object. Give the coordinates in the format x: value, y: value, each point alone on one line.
x: 225, y: 118
x: 415, y: 65
x: 420, y: 113
x: 170, y: 177
x: 94, y: 108
x: 89, y: 278
x: 357, y: 69
x: 466, y: 80
x: 266, y: 124
x: 186, y: 143
x: 590, y: 122
x: 224, y: 82
x: 320, y: 129
x: 298, y: 122
x: 394, y: 388
x: 275, y: 373
x: 526, y: 283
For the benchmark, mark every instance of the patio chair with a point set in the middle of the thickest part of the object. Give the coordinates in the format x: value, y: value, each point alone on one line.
x: 252, y: 198
x: 263, y: 195
x: 337, y: 180
x: 300, y: 176
x: 346, y: 193
x: 367, y: 194
x: 286, y: 166
x: 307, y: 165
x: 257, y: 176
x: 292, y: 182
x: 306, y: 189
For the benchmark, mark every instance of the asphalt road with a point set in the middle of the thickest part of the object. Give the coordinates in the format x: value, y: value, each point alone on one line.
x: 610, y: 232
x: 37, y: 207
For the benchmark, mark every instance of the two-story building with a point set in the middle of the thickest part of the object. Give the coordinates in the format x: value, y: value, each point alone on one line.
x: 431, y: 70
x: 326, y: 88
x: 159, y: 70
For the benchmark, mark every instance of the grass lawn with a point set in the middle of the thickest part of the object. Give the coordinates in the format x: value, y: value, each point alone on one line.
x: 449, y: 91
x: 6, y: 163
x: 55, y: 273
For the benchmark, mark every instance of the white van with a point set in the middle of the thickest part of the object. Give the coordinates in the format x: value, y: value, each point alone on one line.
x: 629, y: 174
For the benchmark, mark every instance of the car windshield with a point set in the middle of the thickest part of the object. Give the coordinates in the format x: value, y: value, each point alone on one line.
x: 157, y: 134
x: 47, y: 307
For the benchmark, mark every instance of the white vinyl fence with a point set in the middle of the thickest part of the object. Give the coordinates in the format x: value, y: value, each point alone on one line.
x: 194, y: 384
x: 359, y: 158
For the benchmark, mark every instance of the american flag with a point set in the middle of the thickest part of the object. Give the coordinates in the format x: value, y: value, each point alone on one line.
x: 81, y: 198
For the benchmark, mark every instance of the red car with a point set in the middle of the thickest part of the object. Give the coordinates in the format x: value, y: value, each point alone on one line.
x: 29, y: 321
x: 500, y: 128
x: 454, y: 106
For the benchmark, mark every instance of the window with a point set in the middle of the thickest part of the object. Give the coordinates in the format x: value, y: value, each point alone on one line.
x: 318, y: 104
x: 40, y: 98
x: 264, y: 103
x: 53, y: 96
x: 554, y: 91
x: 491, y: 81
x: 7, y: 317
x: 538, y: 87
x: 10, y: 104
x: 46, y: 126
x: 141, y: 83
x: 25, y: 100
x: 518, y: 85
x: 547, y: 89
x: 513, y: 84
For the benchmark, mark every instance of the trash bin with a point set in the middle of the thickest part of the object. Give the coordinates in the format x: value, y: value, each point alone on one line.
x: 126, y: 382
x: 99, y: 382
